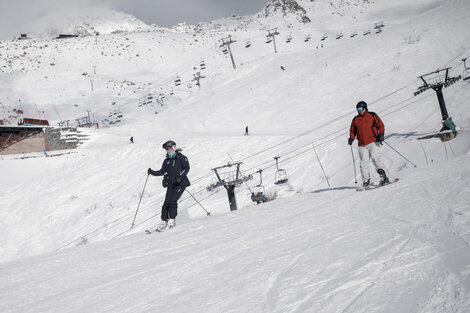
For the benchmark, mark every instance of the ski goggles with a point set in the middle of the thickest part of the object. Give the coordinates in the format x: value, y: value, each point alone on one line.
x: 360, y: 109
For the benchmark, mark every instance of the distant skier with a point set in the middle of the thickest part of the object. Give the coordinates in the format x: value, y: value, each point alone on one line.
x: 246, y: 131
x: 132, y: 139
x: 369, y: 130
x: 282, y: 68
x: 175, y: 167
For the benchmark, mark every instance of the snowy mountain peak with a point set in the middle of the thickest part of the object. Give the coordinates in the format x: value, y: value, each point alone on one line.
x: 184, y: 27
x: 319, y: 11
x: 285, y: 7
x: 86, y: 21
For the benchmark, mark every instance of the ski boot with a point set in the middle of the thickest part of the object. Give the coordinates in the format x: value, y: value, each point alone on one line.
x: 383, y: 178
x: 171, y: 223
x: 161, y: 226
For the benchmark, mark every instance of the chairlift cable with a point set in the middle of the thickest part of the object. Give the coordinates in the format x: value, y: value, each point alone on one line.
x: 319, y: 142
x: 324, y: 124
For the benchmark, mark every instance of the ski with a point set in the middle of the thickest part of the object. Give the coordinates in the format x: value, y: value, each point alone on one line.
x: 148, y: 231
x: 372, y: 187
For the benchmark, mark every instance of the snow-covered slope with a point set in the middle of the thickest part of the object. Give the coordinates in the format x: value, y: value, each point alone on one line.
x: 400, y: 248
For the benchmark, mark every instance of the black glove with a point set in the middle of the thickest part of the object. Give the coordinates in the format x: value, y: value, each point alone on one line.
x: 149, y: 171
x: 350, y: 140
x: 179, y: 180
x: 380, y: 138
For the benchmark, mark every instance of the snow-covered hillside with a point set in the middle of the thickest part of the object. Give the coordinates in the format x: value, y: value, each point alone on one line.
x: 320, y: 246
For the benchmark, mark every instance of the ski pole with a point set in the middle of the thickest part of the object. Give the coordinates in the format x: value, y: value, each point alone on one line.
x: 133, y: 222
x: 326, y: 177
x: 399, y: 153
x: 354, y: 165
x: 208, y: 213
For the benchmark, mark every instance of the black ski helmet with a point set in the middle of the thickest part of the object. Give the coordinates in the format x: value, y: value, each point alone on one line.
x: 361, y: 104
x: 169, y: 144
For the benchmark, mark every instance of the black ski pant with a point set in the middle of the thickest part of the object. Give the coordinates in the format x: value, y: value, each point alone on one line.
x: 170, y: 206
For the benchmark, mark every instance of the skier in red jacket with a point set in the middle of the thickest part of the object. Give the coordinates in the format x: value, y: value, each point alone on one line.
x: 369, y: 130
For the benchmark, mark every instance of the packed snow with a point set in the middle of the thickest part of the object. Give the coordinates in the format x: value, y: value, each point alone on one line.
x: 320, y: 246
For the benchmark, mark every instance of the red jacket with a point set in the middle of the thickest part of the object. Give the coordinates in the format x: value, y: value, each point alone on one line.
x: 366, y: 128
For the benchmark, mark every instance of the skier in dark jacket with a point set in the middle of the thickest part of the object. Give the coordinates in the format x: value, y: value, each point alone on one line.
x: 175, y: 167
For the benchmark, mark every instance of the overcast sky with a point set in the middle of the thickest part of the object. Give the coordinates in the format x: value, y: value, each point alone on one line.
x: 14, y: 14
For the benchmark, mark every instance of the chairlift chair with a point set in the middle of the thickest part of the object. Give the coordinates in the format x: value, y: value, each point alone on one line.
x: 247, y: 44
x: 378, y: 30
x: 339, y: 35
x: 323, y: 37
x: 269, y: 39
x: 379, y: 25
x: 353, y: 34
x: 258, y: 195
x: 280, y: 177
x: 289, y: 38
x: 225, y: 50
x: 202, y: 65
x: 366, y: 32
x: 177, y: 81
x: 307, y: 38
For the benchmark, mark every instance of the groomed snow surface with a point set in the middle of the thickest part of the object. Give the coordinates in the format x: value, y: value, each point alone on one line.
x: 66, y: 243
x: 401, y: 248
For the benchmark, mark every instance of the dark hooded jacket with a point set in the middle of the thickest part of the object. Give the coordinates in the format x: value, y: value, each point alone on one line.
x: 175, y: 167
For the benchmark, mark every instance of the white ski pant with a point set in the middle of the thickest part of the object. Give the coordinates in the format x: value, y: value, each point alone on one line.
x: 366, y: 154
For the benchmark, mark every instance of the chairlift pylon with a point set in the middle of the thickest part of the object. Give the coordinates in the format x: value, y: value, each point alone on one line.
x: 280, y: 177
